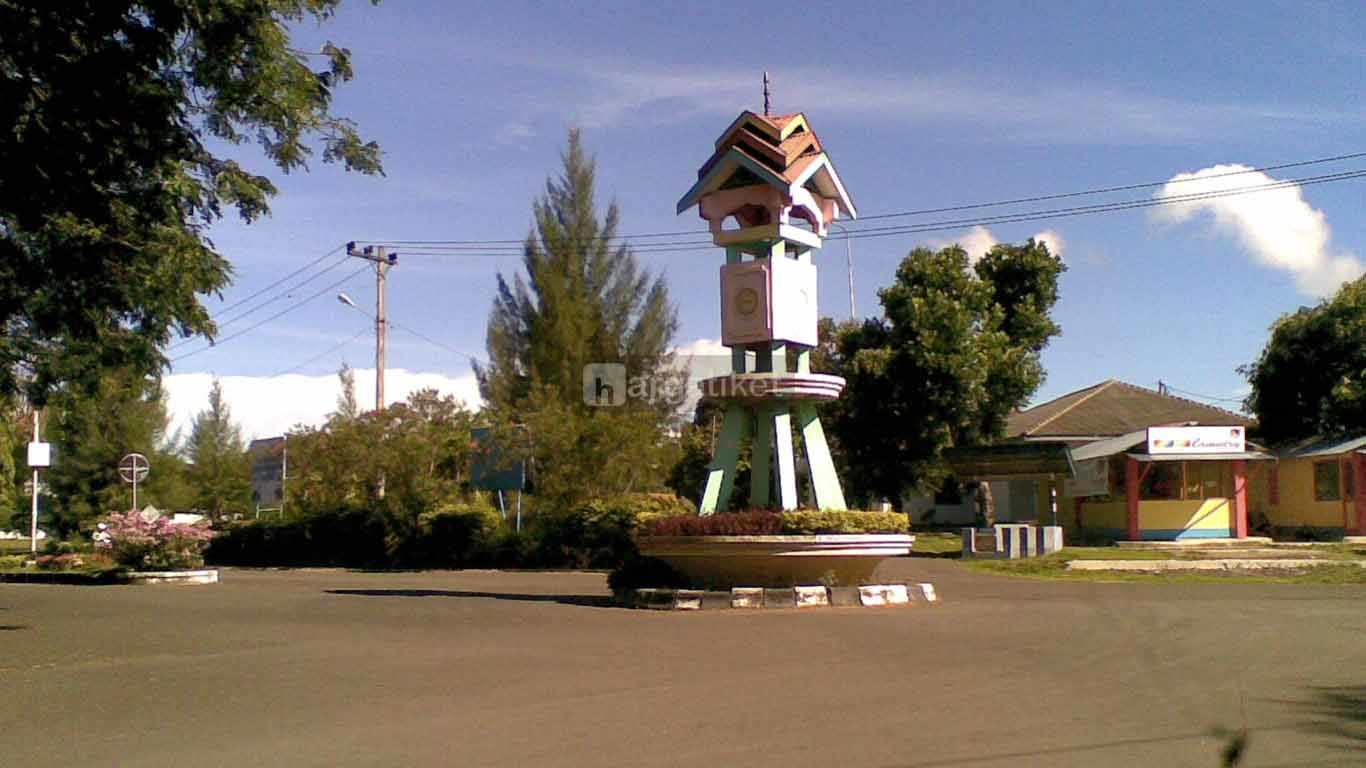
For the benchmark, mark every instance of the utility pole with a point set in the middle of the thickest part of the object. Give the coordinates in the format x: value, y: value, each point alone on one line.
x: 33, y: 519
x: 382, y: 261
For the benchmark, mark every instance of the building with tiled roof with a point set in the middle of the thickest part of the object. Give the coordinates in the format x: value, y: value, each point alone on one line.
x: 1112, y: 408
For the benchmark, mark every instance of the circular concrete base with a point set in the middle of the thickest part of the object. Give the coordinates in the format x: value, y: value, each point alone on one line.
x: 777, y: 561
x: 207, y: 576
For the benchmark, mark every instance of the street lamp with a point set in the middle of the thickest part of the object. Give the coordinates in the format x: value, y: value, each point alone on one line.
x: 343, y: 298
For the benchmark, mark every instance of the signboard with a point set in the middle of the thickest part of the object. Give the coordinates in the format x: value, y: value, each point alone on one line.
x: 134, y: 468
x: 1196, y: 440
x: 40, y: 455
x: 1092, y: 478
x: 490, y: 471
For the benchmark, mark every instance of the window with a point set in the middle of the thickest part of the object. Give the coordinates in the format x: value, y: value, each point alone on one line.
x: 1327, y: 481
x: 1208, y: 480
x: 1188, y: 480
x: 1162, y: 482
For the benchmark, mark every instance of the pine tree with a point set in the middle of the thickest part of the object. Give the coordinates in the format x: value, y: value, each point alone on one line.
x: 220, y: 472
x: 90, y: 433
x: 347, y: 408
x: 584, y: 298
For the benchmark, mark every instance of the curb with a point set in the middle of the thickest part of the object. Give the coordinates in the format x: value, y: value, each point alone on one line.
x: 758, y: 598
x: 34, y: 576
x: 1269, y: 564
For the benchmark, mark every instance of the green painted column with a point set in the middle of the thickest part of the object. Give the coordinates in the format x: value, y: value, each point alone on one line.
x: 782, y: 446
x: 824, y: 481
x: 803, y: 359
x: 721, y: 471
x: 761, y: 459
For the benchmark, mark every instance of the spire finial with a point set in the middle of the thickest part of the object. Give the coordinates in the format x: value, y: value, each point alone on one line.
x: 766, y: 95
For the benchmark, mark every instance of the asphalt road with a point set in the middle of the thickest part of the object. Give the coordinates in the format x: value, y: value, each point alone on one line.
x: 331, y: 668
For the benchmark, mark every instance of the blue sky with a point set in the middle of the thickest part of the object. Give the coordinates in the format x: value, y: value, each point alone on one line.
x: 920, y: 105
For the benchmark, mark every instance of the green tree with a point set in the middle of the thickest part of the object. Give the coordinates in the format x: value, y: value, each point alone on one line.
x: 91, y: 432
x: 419, y: 448
x: 11, y: 461
x: 1310, y: 379
x: 109, y: 174
x: 219, y: 471
x: 956, y: 350
x: 583, y: 299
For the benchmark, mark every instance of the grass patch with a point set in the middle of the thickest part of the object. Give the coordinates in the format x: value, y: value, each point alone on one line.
x: 937, y: 543
x: 14, y: 546
x: 1055, y: 567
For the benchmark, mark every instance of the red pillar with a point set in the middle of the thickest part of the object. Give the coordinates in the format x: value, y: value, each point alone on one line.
x: 1131, y: 495
x: 1239, y: 521
x: 1359, y: 500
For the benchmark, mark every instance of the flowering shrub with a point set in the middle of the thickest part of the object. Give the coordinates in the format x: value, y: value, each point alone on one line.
x: 763, y: 522
x: 74, y: 561
x: 153, y: 545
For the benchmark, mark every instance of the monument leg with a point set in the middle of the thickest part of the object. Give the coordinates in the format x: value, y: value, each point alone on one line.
x: 721, y: 471
x: 787, y: 472
x: 761, y: 460
x: 824, y: 482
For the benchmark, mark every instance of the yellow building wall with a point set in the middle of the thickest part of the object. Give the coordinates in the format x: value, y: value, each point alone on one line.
x: 1297, y: 506
x: 1209, y: 518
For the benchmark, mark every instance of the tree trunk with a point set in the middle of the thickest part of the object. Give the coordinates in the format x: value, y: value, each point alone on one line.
x: 986, y: 503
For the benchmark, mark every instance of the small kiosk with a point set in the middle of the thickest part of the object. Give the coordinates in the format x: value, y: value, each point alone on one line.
x: 1165, y: 483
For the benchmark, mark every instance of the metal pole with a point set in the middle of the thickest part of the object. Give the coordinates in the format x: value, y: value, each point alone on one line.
x: 135, y: 484
x: 381, y: 326
x: 284, y: 475
x: 33, y: 518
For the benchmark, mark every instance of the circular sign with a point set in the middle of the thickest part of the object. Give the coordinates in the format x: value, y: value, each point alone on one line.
x: 134, y: 468
x: 746, y: 301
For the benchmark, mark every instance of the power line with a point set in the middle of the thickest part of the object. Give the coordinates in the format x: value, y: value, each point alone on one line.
x: 240, y: 302
x: 942, y: 209
x: 275, y: 316
x: 322, y: 354
x: 430, y: 340
x: 949, y: 224
x: 221, y: 321
x: 1199, y: 396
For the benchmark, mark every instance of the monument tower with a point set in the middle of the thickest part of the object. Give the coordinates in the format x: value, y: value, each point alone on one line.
x: 770, y: 176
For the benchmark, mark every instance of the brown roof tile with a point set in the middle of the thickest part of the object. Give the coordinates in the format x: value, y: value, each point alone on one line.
x: 1113, y: 407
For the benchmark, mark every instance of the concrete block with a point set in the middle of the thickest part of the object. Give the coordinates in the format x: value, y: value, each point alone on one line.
x: 844, y: 596
x: 688, y: 600
x: 747, y: 597
x: 927, y: 591
x: 883, y: 594
x: 716, y: 600
x: 779, y: 598
x: 1052, y: 539
x: 811, y: 597
x: 659, y: 599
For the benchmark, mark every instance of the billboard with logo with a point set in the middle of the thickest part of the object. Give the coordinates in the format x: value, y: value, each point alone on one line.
x: 1196, y: 440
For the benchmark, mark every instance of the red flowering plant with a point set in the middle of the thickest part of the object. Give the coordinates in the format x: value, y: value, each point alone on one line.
x: 152, y: 544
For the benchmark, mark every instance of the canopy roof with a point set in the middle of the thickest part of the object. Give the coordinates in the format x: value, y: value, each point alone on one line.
x: 779, y: 150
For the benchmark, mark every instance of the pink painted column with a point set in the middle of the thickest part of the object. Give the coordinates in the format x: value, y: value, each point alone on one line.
x: 1131, y: 496
x: 1239, y: 522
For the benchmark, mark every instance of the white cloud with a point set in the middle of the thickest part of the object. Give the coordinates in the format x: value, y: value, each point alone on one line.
x: 1053, y: 239
x: 514, y: 133
x: 270, y: 405
x: 1277, y: 227
x: 976, y: 241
